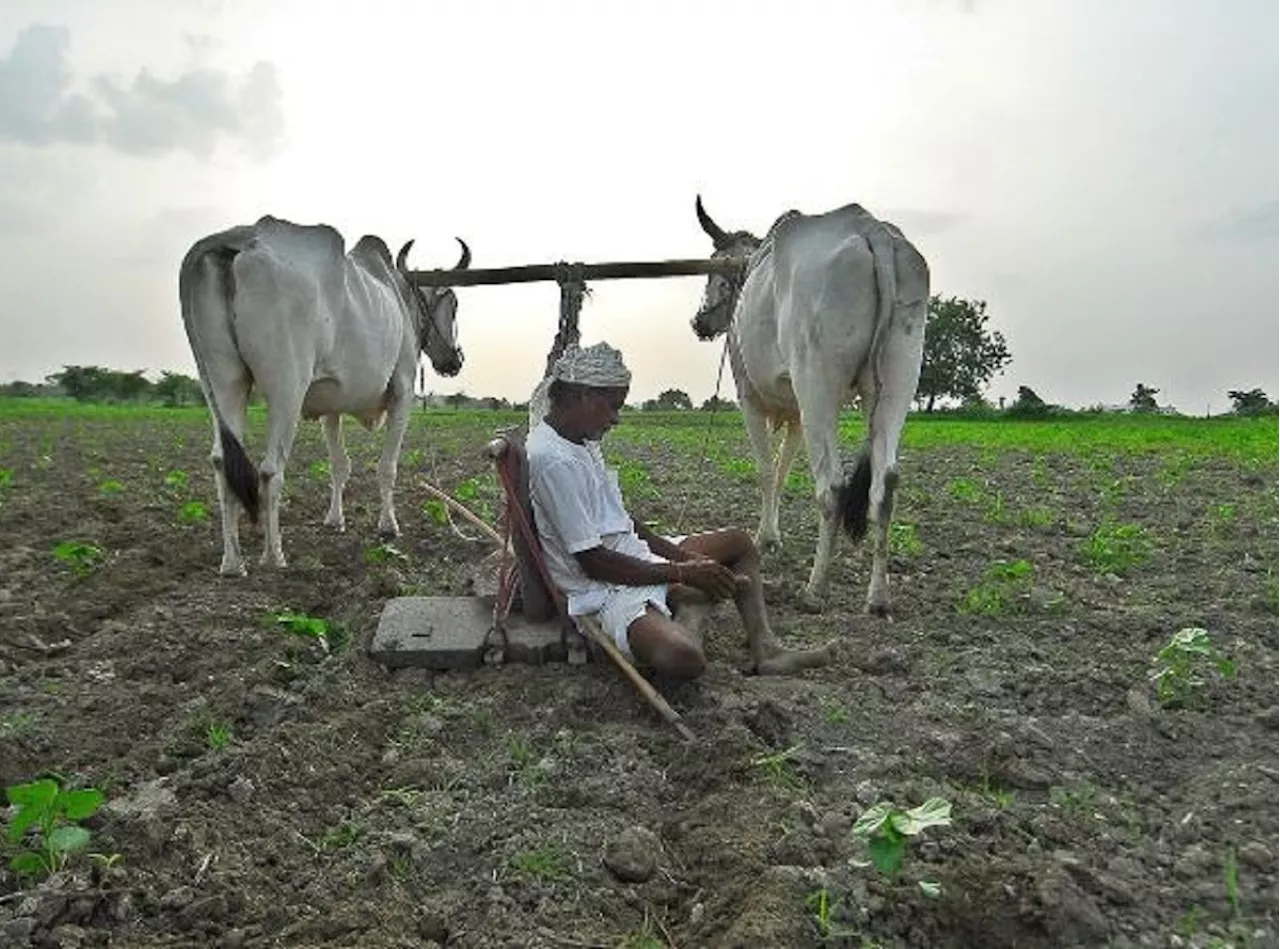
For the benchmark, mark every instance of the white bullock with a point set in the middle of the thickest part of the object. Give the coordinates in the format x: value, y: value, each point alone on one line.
x: 829, y: 306
x: 320, y: 333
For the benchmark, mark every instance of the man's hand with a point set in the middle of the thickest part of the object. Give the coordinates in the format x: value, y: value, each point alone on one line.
x: 710, y: 577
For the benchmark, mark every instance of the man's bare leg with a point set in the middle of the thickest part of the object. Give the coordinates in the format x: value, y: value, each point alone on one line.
x: 660, y: 644
x: 736, y: 550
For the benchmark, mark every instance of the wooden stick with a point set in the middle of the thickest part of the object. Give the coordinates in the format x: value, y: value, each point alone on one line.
x: 603, y: 640
x: 492, y: 534
x: 612, y: 271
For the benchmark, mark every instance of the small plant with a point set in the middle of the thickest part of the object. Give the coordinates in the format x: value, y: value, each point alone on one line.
x: 218, y: 735
x: 435, y: 511
x: 833, y: 712
x: 1077, y: 800
x: 193, y: 512
x: 56, y: 814
x: 1037, y: 517
x: 823, y: 906
x: 176, y: 481
x: 965, y: 490
x: 330, y: 635
x: 82, y: 558
x: 778, y: 768
x: 544, y: 864
x: 1115, y: 548
x: 6, y: 478
x: 885, y: 828
x: 384, y: 553
x: 904, y: 540
x: 319, y: 470
x: 340, y: 836
x: 1177, y: 679
x: 1003, y: 582
x: 110, y: 488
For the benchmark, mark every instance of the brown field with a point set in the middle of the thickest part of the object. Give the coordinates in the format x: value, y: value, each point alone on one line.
x: 261, y: 791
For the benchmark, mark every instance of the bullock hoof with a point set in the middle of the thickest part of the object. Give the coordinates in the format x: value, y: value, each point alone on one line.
x: 233, y: 568
x: 879, y: 609
x: 270, y: 560
x: 810, y: 602
x: 339, y: 523
x: 388, y: 529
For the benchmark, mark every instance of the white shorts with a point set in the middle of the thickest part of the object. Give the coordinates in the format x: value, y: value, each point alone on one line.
x: 623, y: 605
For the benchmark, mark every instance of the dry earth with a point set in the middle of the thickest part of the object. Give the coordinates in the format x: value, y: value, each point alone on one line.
x: 354, y: 807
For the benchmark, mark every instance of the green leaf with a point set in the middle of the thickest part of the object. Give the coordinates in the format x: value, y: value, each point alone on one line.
x: 935, y: 812
x: 68, y: 840
x: 39, y: 793
x: 77, y: 805
x: 886, y: 853
x: 872, y: 819
x: 29, y: 863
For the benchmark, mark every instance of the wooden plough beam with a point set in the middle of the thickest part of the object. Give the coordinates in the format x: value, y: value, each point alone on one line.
x: 559, y: 272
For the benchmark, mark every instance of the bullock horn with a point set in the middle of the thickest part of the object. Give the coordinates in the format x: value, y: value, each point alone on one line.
x: 465, y: 260
x: 718, y: 237
x: 403, y: 256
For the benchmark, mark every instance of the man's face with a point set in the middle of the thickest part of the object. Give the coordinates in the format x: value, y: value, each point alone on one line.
x: 599, y: 410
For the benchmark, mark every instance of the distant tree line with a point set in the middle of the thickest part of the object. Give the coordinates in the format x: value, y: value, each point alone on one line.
x: 98, y: 384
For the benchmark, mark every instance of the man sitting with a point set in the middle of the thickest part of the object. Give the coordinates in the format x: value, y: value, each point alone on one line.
x: 607, y: 562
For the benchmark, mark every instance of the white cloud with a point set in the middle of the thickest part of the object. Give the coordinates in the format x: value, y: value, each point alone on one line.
x: 148, y: 115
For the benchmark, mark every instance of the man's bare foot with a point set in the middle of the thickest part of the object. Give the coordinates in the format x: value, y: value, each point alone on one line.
x: 788, y: 661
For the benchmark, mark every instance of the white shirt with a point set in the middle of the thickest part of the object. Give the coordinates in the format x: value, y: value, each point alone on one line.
x: 578, y: 505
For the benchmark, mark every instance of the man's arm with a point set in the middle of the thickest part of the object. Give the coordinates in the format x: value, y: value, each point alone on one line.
x: 660, y: 545
x: 609, y: 566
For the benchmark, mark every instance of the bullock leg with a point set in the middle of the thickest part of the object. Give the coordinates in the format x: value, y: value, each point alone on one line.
x: 819, y: 412
x: 791, y: 441
x: 339, y: 470
x: 757, y: 423
x: 401, y: 403
x: 233, y: 398
x: 282, y: 428
x: 886, y: 415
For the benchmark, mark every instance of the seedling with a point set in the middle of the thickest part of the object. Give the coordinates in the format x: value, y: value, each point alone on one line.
x: 885, y: 828
x: 82, y: 558
x: 821, y: 904
x: 193, y: 512
x: 55, y: 813
x: 1115, y: 548
x: 218, y: 735
x: 384, y: 553
x: 330, y: 635
x: 340, y: 836
x: 904, y: 540
x: 176, y: 481
x: 995, y: 594
x: 436, y: 511
x: 1177, y: 679
x: 110, y: 488
x: 778, y: 767
x: 6, y: 477
x: 544, y: 864
x: 965, y: 490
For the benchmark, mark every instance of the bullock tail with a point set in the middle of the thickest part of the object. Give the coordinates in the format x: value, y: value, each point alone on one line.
x: 204, y: 280
x: 854, y: 496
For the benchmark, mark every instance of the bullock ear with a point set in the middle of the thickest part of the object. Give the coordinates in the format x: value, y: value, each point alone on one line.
x: 403, y: 256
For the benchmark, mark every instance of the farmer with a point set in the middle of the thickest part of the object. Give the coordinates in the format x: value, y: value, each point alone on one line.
x: 609, y: 563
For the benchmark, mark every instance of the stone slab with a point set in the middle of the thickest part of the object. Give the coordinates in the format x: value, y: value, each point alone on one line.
x: 448, y: 632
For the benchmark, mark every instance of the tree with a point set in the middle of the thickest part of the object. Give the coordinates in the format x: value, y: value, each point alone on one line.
x: 715, y: 403
x: 175, y: 389
x: 960, y: 354
x: 673, y: 399
x: 1028, y: 405
x: 1143, y: 399
x: 1252, y: 402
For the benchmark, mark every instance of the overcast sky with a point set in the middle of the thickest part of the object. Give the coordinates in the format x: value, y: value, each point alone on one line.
x: 1103, y: 173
